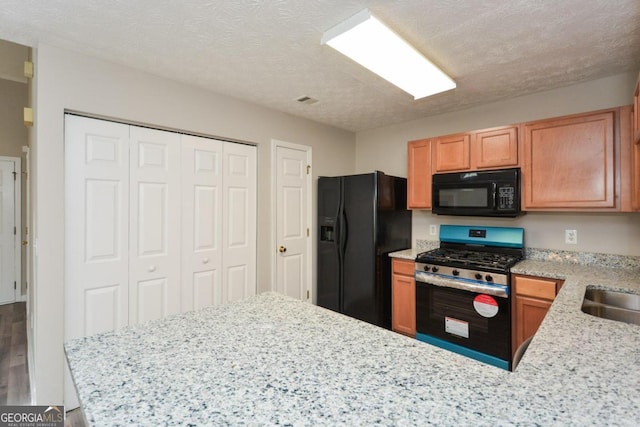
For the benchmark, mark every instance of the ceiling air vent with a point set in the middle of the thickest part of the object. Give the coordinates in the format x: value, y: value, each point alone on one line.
x: 307, y: 100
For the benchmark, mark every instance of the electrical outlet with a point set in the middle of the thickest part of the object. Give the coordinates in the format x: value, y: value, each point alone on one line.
x: 571, y: 237
x: 433, y: 229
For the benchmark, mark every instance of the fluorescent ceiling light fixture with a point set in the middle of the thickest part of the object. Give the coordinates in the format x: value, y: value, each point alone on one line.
x: 370, y: 43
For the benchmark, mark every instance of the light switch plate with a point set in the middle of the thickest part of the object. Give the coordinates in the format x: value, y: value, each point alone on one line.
x: 433, y: 229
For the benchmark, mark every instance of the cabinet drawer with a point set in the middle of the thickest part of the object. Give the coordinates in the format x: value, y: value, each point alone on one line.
x: 406, y: 267
x: 535, y: 287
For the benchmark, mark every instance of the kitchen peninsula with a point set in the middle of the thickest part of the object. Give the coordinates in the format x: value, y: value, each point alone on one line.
x: 272, y: 360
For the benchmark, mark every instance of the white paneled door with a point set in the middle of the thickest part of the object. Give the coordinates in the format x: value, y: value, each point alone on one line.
x: 292, y: 217
x: 8, y: 254
x: 239, y: 229
x: 96, y: 226
x: 201, y: 222
x: 154, y: 224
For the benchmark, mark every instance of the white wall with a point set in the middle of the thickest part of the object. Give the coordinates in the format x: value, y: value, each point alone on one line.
x: 67, y: 80
x: 385, y: 149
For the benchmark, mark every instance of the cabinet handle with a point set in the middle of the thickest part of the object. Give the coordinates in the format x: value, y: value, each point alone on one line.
x: 152, y: 268
x: 205, y: 261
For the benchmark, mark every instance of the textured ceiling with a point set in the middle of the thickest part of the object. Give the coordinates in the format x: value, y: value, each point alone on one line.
x: 268, y: 51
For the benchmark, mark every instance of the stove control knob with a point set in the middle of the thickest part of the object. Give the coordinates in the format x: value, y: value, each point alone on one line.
x: 426, y: 268
x: 478, y: 276
x: 455, y: 272
x: 488, y: 278
x: 434, y: 269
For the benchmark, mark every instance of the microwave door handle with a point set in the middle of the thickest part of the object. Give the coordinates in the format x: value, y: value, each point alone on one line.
x: 494, y: 190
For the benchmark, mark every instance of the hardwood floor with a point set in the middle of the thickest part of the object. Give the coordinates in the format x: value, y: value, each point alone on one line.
x: 14, y: 370
x: 14, y: 373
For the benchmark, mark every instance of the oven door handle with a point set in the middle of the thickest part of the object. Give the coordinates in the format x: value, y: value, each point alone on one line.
x: 501, y: 291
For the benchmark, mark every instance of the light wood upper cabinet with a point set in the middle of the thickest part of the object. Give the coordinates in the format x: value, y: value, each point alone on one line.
x: 495, y: 148
x: 419, y: 174
x: 452, y: 153
x: 627, y: 193
x: 635, y: 148
x: 484, y: 149
x: 569, y: 163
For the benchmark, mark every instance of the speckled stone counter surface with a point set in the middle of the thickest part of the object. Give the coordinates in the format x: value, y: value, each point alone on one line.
x: 271, y: 360
x: 591, y: 366
x: 421, y: 246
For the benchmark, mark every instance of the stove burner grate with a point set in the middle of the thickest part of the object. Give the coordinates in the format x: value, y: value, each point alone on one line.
x: 469, y: 258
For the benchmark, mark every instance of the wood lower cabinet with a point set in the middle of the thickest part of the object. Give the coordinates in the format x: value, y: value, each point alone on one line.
x: 635, y: 148
x: 419, y: 174
x: 636, y: 112
x: 403, y: 297
x: 569, y: 163
x: 532, y: 297
x: 636, y: 176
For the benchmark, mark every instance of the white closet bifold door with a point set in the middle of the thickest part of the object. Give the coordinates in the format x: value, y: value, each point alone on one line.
x: 154, y: 224
x: 239, y: 221
x: 157, y: 223
x: 201, y: 222
x: 96, y: 226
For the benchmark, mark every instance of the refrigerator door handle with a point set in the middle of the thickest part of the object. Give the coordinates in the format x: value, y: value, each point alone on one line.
x: 344, y: 233
x: 340, y: 247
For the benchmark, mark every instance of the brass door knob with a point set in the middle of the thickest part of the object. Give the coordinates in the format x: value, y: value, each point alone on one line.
x: 282, y: 249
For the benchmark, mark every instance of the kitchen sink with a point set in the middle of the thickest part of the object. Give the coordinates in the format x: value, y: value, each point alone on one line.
x: 612, y: 305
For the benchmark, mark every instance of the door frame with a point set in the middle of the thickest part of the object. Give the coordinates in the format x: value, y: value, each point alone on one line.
x: 26, y: 151
x: 17, y: 237
x: 274, y: 211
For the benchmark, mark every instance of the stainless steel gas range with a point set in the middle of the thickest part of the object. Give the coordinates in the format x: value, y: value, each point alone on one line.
x: 463, y: 291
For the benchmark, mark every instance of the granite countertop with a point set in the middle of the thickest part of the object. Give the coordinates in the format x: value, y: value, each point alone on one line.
x: 409, y: 254
x: 272, y: 360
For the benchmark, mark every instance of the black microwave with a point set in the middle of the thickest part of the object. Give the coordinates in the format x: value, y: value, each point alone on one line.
x: 477, y: 193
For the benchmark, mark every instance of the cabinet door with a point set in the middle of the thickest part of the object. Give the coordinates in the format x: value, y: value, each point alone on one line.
x: 419, y: 174
x: 533, y: 297
x: 201, y: 284
x: 451, y: 153
x: 154, y: 224
x: 636, y: 112
x: 495, y: 148
x: 529, y: 315
x: 636, y: 176
x: 535, y: 287
x: 403, y: 304
x: 569, y: 163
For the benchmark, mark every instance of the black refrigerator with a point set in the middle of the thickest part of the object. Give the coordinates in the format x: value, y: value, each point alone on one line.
x: 361, y: 219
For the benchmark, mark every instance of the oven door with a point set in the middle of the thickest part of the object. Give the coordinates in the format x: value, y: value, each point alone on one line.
x: 474, y: 324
